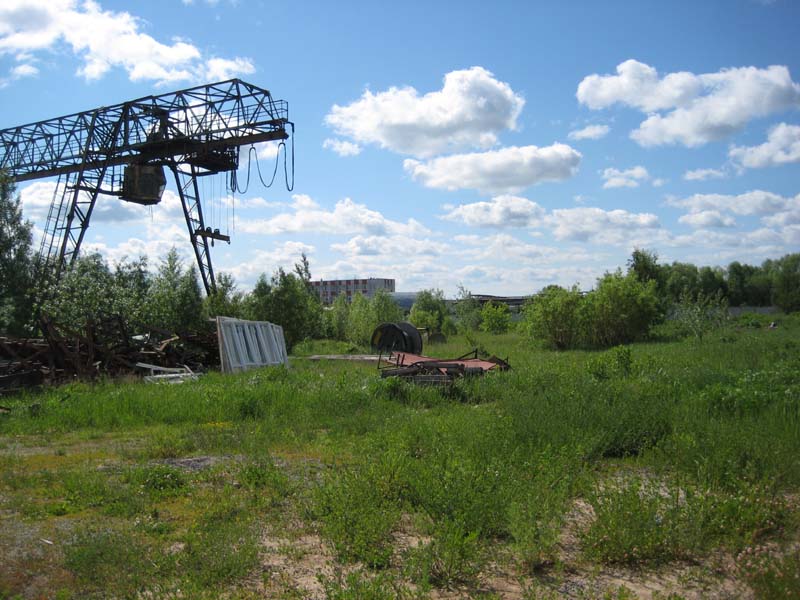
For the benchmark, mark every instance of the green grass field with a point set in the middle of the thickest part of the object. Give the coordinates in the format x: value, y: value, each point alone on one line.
x: 670, y: 468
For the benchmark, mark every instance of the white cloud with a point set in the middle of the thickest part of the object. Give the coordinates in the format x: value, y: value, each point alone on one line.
x: 658, y: 182
x: 347, y: 217
x: 614, y: 178
x: 220, y: 69
x: 703, y: 174
x: 104, y: 40
x: 790, y: 216
x: 782, y: 147
x: 691, y: 109
x: 753, y: 203
x: 590, y: 224
x: 468, y: 112
x: 24, y: 70
x: 508, y: 170
x: 707, y: 218
x: 391, y: 246
x: 267, y: 150
x: 266, y: 261
x: 592, y: 132
x: 509, y: 248
x: 499, y: 212
x: 342, y: 147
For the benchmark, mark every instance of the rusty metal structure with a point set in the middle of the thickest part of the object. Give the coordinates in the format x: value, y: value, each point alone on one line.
x: 123, y: 150
x: 439, y: 371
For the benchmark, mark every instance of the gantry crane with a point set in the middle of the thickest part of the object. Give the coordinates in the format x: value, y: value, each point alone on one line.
x: 122, y: 151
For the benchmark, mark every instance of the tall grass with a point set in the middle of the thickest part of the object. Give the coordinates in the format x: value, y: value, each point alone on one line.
x: 680, y: 447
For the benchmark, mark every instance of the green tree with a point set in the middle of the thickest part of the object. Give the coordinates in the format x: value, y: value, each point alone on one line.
x: 225, y: 300
x: 84, y: 292
x: 360, y: 321
x: 644, y: 265
x: 132, y: 281
x: 787, y: 283
x: 738, y: 274
x: 711, y: 282
x: 384, y: 308
x: 468, y: 310
x: 16, y: 272
x: 680, y: 278
x: 336, y: 318
x: 287, y: 301
x: 495, y: 318
x: 174, y: 301
x: 429, y: 310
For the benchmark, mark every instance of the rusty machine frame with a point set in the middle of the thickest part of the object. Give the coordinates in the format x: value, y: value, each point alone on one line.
x: 122, y: 151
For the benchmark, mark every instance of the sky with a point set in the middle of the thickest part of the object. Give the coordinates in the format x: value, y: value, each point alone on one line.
x: 499, y: 146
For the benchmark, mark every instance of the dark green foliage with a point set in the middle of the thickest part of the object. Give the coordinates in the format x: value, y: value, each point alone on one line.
x: 16, y: 264
x: 225, y: 301
x: 174, y: 299
x: 82, y: 293
x: 287, y: 301
x: 787, y: 283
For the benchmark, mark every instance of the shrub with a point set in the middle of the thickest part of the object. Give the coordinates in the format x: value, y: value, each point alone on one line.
x: 356, y: 517
x: 696, y: 316
x: 452, y: 557
x: 495, y: 318
x: 553, y: 316
x: 620, y: 310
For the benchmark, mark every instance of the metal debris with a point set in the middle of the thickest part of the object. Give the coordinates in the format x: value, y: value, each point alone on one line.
x: 438, y: 371
x: 103, y: 348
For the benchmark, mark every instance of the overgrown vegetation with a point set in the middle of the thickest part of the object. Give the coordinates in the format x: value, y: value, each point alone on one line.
x: 653, y: 453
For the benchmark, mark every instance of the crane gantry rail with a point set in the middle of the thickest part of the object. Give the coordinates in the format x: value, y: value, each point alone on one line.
x: 122, y: 150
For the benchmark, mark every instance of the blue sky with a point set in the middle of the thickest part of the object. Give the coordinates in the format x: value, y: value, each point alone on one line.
x: 502, y: 146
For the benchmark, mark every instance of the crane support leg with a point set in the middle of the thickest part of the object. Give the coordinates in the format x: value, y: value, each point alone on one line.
x: 186, y: 181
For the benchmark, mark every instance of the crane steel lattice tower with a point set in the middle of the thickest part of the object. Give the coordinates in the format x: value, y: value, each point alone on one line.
x: 122, y: 150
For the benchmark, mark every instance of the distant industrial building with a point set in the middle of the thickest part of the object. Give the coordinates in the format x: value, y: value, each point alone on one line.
x: 328, y: 289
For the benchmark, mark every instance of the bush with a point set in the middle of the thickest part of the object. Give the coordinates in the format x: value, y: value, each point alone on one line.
x: 452, y: 557
x: 495, y: 318
x: 620, y: 310
x: 696, y: 316
x: 553, y: 316
x: 356, y: 517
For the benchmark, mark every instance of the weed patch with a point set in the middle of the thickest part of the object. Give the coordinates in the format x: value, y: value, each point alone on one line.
x: 452, y: 557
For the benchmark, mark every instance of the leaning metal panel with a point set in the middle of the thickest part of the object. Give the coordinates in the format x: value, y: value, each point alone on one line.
x: 187, y: 123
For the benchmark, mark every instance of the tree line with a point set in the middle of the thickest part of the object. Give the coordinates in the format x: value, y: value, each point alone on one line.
x: 622, y: 307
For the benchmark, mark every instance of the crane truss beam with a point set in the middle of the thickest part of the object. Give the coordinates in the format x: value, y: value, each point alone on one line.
x: 189, y: 123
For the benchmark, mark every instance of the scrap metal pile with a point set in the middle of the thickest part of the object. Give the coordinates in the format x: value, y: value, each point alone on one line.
x: 103, y: 348
x: 403, y: 343
x: 439, y: 371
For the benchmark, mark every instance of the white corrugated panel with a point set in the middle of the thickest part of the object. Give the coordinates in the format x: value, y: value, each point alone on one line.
x: 247, y: 344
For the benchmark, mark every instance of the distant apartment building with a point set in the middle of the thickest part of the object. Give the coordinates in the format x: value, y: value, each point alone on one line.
x: 328, y: 289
